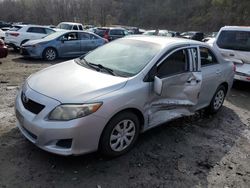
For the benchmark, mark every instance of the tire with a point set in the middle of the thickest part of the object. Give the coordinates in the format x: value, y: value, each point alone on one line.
x: 16, y: 49
x: 124, y: 128
x: 217, y: 100
x: 50, y: 54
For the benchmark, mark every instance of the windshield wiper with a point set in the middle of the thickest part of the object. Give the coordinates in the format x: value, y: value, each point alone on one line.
x: 98, y: 67
x: 101, y: 67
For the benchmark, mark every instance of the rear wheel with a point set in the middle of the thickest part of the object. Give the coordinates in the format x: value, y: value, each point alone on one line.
x: 49, y: 54
x: 120, y: 134
x: 218, y: 99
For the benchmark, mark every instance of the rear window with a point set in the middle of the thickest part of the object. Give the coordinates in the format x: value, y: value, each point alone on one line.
x: 64, y: 26
x: 234, y: 40
x: 15, y: 28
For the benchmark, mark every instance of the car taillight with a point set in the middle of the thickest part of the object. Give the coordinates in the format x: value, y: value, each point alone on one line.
x: 234, y: 67
x: 106, y: 35
x: 14, y: 34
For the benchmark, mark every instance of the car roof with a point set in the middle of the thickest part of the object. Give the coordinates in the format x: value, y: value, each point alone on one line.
x: 240, y: 28
x: 43, y: 26
x: 70, y: 23
x: 165, y: 41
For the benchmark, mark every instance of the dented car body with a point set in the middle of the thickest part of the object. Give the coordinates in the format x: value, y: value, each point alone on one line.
x: 119, y: 90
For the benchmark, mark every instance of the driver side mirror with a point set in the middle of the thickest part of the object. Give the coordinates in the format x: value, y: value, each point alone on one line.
x: 157, y: 85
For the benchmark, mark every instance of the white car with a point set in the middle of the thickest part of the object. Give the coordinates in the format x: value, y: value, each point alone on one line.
x: 2, y: 34
x: 70, y: 26
x: 233, y: 42
x: 19, y: 34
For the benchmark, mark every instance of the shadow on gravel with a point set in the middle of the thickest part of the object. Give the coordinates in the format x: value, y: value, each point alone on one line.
x: 26, y: 60
x: 240, y: 94
x: 178, y: 154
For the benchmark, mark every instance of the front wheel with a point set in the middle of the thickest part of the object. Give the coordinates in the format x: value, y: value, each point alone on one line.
x: 50, y: 54
x: 120, y: 134
x: 217, y: 100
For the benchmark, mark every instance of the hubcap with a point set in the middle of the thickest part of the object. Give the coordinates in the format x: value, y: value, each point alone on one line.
x: 218, y: 100
x: 122, y: 135
x: 50, y: 54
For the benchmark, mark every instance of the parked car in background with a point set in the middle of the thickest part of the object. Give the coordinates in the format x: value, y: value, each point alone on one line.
x: 4, y: 24
x: 105, y: 99
x: 62, y: 44
x: 164, y: 33
x: 233, y: 42
x: 194, y: 35
x: 19, y: 34
x: 5, y: 28
x: 3, y: 49
x: 2, y: 34
x: 210, y: 37
x: 111, y: 33
x: 70, y: 26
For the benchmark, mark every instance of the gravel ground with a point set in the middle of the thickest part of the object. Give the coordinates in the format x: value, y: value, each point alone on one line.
x: 199, y: 151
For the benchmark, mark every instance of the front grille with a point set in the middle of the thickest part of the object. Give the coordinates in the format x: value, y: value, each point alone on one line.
x: 65, y: 143
x: 31, y: 105
x: 24, y: 51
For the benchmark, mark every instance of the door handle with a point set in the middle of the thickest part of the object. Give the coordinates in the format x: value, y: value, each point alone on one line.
x: 232, y: 55
x: 190, y: 80
x: 218, y: 71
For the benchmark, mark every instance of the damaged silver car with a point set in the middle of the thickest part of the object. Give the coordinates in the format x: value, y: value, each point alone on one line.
x: 104, y: 100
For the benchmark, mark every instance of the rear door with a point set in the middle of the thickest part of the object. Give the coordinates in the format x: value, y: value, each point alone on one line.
x: 211, y: 75
x: 36, y: 33
x: 70, y: 45
x: 181, y: 83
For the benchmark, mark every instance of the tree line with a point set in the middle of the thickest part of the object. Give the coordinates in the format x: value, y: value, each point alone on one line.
x: 180, y: 15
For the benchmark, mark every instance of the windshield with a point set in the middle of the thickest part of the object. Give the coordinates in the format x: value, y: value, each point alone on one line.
x: 53, y: 35
x: 234, y: 40
x: 125, y: 57
x: 64, y: 26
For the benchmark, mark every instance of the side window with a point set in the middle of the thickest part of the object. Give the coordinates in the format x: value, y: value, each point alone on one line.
x: 176, y: 63
x: 84, y: 36
x: 80, y: 27
x: 36, y: 30
x: 116, y: 32
x: 49, y: 31
x: 70, y: 36
x: 75, y: 27
x: 194, y: 51
x: 93, y: 37
x: 207, y: 57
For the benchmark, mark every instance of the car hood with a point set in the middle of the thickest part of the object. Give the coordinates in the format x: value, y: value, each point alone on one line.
x: 33, y: 42
x: 70, y: 82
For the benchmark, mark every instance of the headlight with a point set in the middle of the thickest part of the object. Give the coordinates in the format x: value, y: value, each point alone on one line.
x: 68, y: 112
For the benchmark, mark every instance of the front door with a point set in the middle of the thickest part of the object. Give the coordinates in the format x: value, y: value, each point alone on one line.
x: 181, y: 82
x: 70, y: 45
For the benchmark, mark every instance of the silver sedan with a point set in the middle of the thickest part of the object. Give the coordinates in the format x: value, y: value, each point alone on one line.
x: 104, y: 100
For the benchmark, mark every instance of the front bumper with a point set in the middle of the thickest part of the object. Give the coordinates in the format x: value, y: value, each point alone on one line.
x: 30, y: 52
x: 242, y: 77
x: 242, y: 72
x: 75, y: 137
